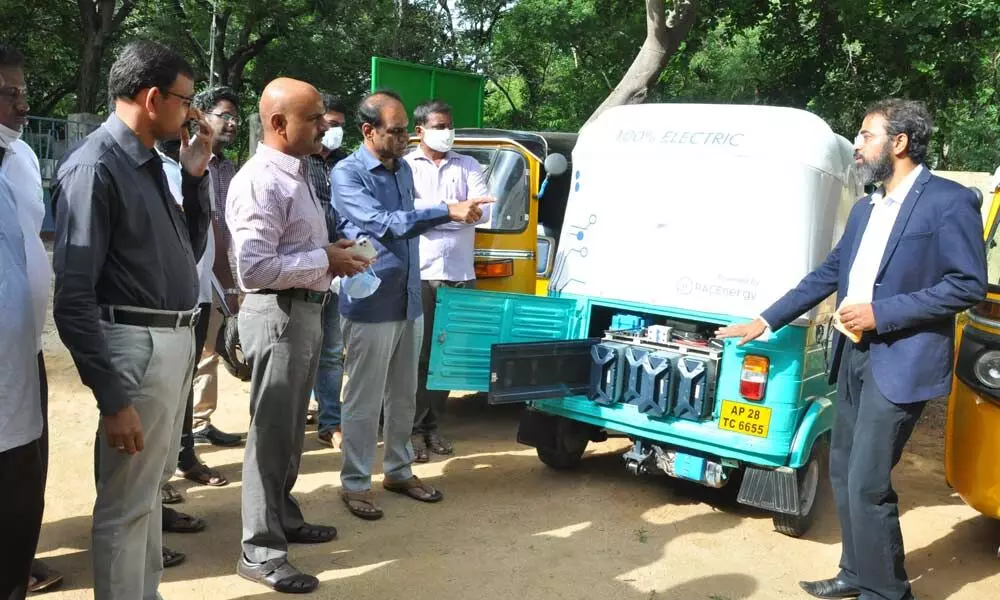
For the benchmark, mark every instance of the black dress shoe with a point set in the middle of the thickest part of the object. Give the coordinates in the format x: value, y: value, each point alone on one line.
x: 830, y: 588
x: 210, y: 435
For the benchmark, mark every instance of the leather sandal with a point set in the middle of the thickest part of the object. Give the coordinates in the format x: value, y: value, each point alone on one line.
x: 279, y: 575
x: 204, y: 475
x: 311, y: 534
x: 414, y: 488
x: 362, y: 505
x: 172, y: 558
x: 178, y: 522
x: 43, y: 577
x: 420, y: 454
x: 170, y: 495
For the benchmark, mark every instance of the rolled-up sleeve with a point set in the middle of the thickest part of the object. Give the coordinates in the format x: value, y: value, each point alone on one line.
x: 355, y: 203
x: 256, y: 212
x: 85, y: 201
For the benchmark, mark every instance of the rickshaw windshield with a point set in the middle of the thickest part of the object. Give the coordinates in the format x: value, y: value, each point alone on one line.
x: 993, y: 258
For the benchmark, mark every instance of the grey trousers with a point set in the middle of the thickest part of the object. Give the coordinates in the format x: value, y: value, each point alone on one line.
x: 430, y: 403
x: 381, y: 369
x: 154, y: 365
x: 281, y: 338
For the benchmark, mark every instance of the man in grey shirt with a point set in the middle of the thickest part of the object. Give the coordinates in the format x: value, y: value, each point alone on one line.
x: 126, y: 298
x: 21, y: 468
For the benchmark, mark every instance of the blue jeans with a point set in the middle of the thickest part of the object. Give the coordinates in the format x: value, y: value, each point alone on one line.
x: 330, y: 375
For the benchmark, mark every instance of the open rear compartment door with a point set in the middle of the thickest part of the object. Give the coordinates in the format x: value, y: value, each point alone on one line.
x: 540, y: 370
x: 469, y: 323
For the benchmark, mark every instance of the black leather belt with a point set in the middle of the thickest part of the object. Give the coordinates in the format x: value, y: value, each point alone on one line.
x: 165, y: 319
x: 301, y: 294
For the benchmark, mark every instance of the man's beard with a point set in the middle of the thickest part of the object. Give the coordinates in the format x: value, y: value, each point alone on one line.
x: 878, y: 170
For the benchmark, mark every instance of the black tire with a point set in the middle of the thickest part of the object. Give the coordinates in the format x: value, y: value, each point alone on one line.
x: 570, y: 442
x: 813, y: 478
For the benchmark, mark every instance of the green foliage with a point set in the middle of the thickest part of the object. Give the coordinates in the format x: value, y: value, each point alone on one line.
x: 550, y: 63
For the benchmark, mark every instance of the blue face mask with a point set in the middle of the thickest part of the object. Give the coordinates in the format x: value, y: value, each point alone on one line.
x: 361, y: 285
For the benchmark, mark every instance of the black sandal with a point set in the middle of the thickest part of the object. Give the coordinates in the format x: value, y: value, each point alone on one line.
x: 279, y: 575
x: 178, y: 522
x: 311, y: 534
x: 169, y: 495
x: 172, y: 558
x: 204, y: 475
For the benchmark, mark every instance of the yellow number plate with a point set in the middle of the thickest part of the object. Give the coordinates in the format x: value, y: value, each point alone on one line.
x: 745, y: 418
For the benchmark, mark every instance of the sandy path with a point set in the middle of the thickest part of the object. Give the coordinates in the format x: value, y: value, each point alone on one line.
x: 510, y: 528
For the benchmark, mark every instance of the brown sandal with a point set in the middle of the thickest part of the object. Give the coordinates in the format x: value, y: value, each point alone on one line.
x: 362, y: 505
x: 414, y: 488
x: 205, y: 475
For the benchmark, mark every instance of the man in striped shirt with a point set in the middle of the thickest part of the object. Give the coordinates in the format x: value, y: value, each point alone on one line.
x: 285, y: 264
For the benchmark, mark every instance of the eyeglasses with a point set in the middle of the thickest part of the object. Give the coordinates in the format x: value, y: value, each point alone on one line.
x: 227, y: 117
x: 187, y: 100
x: 14, y: 93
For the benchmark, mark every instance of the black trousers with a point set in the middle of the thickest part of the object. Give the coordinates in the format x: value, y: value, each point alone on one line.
x: 186, y: 460
x: 869, y: 433
x: 21, y: 475
x: 430, y: 403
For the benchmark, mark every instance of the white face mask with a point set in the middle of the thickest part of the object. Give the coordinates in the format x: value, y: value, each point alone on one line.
x: 361, y: 285
x: 439, y: 140
x: 333, y: 138
x: 8, y: 136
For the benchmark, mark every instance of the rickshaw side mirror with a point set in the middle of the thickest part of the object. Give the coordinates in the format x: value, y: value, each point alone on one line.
x: 545, y: 256
x: 555, y: 165
x: 979, y: 197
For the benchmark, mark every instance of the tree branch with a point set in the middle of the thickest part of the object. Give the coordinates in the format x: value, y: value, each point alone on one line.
x: 505, y: 93
x: 122, y: 14
x: 196, y: 48
x: 664, y: 33
x: 56, y: 95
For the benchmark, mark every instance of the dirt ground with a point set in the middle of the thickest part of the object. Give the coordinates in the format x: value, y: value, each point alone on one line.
x: 511, y: 528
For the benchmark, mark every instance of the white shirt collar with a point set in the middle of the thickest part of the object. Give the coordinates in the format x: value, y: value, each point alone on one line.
x: 898, y: 195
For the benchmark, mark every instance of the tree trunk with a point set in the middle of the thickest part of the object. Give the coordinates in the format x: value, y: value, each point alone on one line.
x: 89, y: 80
x: 100, y: 24
x: 664, y: 33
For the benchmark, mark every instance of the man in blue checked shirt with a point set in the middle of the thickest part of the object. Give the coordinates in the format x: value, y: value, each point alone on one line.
x: 373, y: 196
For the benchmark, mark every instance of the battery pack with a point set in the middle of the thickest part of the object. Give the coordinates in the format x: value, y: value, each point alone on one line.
x: 692, y: 389
x: 635, y: 358
x: 607, y: 372
x: 657, y: 383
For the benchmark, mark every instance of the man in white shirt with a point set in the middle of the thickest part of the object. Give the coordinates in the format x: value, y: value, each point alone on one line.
x: 21, y: 465
x: 19, y: 165
x: 446, y: 251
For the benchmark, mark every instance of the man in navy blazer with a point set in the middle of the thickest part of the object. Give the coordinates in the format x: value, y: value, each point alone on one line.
x: 911, y: 257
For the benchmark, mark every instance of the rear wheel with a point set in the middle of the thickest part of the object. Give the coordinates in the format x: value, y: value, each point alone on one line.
x: 570, y: 440
x: 811, y: 478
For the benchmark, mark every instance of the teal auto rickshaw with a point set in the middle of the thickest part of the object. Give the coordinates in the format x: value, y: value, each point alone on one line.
x: 680, y: 219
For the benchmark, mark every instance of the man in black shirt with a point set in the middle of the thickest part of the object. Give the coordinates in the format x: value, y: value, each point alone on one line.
x: 126, y: 296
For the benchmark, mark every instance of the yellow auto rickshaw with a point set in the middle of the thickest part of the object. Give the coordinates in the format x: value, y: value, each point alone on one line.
x: 972, y: 434
x: 528, y: 173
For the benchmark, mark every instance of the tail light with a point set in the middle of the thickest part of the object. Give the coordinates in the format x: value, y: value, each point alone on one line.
x: 494, y: 268
x: 753, y: 379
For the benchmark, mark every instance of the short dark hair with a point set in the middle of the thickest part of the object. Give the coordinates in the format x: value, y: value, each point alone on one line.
x: 910, y: 117
x: 145, y: 64
x: 206, y: 100
x: 332, y: 103
x: 370, y: 108
x: 10, y: 57
x: 425, y: 110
